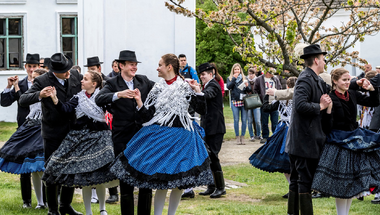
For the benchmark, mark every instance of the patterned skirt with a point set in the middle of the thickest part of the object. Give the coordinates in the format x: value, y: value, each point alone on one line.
x: 160, y: 157
x: 24, y: 151
x: 82, y: 160
x: 271, y: 157
x: 345, y: 173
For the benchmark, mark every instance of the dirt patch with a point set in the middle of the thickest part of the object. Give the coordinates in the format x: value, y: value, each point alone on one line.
x: 1, y: 144
x: 239, y: 197
x: 232, y: 154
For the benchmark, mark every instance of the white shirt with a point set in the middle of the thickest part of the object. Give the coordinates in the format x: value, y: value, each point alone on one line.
x: 129, y: 85
x: 61, y: 81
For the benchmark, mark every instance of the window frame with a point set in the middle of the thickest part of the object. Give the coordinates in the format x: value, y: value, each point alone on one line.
x: 75, y: 35
x: 7, y: 37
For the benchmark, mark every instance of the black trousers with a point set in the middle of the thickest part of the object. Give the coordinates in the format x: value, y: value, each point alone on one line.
x: 302, y: 172
x: 215, y: 144
x: 50, y: 146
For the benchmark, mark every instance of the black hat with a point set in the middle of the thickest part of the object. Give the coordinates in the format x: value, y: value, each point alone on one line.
x: 46, y: 62
x: 313, y: 49
x: 60, y: 63
x: 204, y: 67
x: 32, y: 59
x: 127, y: 55
x: 93, y: 61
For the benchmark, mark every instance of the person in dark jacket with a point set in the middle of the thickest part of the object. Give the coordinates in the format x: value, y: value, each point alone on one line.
x: 93, y: 63
x: 238, y: 86
x: 305, y: 138
x: 115, y: 69
x: 263, y: 83
x: 55, y: 125
x: 119, y: 92
x: 214, y: 126
x: 8, y: 97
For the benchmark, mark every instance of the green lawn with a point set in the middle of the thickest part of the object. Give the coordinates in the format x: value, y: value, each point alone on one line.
x: 261, y: 196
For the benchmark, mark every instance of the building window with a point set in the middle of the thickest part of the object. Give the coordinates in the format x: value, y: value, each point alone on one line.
x: 11, y: 43
x: 69, y: 37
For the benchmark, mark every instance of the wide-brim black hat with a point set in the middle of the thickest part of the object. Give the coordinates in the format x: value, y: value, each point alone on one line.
x: 127, y: 55
x: 93, y: 61
x: 60, y: 63
x: 312, y: 49
x: 204, y: 67
x: 32, y: 59
x: 46, y: 62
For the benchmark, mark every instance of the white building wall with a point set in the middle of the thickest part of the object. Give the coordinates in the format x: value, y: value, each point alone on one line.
x: 104, y: 29
x: 40, y: 35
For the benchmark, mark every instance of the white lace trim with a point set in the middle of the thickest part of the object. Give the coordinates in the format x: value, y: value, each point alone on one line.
x: 285, y: 111
x: 170, y: 101
x: 35, y: 111
x: 87, y: 106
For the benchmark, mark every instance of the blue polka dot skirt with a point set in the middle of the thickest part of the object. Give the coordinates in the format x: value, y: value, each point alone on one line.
x: 160, y: 157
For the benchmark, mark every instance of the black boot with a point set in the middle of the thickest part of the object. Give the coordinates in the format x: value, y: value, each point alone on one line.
x: 52, y: 200
x: 293, y: 203
x: 219, y: 182
x: 65, y: 199
x: 306, y: 204
x: 126, y: 199
x: 114, y: 196
x: 210, y: 190
x: 26, y: 190
x: 145, y: 202
x: 44, y: 194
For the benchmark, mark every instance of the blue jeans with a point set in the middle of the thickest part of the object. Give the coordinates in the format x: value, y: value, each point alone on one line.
x: 235, y: 113
x: 264, y: 122
x: 254, y: 114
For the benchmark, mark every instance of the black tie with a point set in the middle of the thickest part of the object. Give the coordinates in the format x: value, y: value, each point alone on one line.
x: 66, y: 83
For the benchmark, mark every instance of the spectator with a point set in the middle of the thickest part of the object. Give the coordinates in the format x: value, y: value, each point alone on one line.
x: 263, y: 83
x: 254, y: 115
x: 185, y: 70
x: 238, y: 86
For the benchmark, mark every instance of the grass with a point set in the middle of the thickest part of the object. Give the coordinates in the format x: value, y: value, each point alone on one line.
x: 6, y: 130
x: 261, y: 196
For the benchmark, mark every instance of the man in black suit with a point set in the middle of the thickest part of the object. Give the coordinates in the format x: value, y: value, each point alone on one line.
x: 93, y: 63
x: 10, y: 95
x: 55, y: 125
x: 305, y: 138
x: 119, y: 92
x: 214, y: 126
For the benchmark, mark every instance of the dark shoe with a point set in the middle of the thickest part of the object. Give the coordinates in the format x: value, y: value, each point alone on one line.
x: 376, y: 200
x: 112, y: 199
x: 361, y: 198
x: 190, y: 194
x: 219, y: 183
x: 27, y: 205
x: 144, y: 203
x: 66, y: 198
x: 293, y: 208
x: 53, y: 213
x: 127, y: 204
x: 26, y: 190
x: 264, y: 140
x: 67, y: 209
x: 41, y: 207
x: 317, y: 195
x: 285, y: 196
x: 306, y: 203
x: 210, y: 190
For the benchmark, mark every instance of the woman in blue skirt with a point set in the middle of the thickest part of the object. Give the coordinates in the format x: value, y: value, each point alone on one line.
x: 349, y: 165
x: 271, y: 157
x: 24, y: 151
x: 168, y: 152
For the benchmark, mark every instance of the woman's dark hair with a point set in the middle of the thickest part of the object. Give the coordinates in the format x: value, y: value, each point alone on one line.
x: 40, y: 71
x: 291, y: 82
x: 336, y: 74
x: 96, y: 77
x: 217, y: 76
x: 172, y: 59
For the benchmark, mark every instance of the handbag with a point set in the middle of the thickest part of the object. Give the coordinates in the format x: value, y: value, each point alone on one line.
x: 252, y: 101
